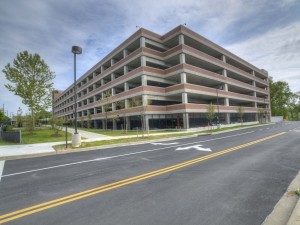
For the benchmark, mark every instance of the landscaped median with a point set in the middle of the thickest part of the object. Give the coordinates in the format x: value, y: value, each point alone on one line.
x: 144, y: 138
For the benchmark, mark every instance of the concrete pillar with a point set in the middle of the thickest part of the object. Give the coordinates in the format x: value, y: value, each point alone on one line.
x: 114, y: 125
x: 227, y: 118
x: 113, y: 91
x: 101, y: 69
x: 125, y: 53
x: 113, y: 106
x: 226, y: 101
x: 224, y: 58
x: 181, y: 39
x: 143, y: 60
x: 95, y: 99
x: 125, y: 70
x: 182, y: 58
x: 102, y: 82
x: 183, y: 78
x: 143, y: 42
x: 254, y: 83
x: 225, y: 87
x: 253, y: 72
x: 256, y: 117
x: 186, y: 123
x: 127, y: 122
x: 126, y: 86
x: 224, y: 72
x: 102, y: 109
x: 184, y: 97
x: 145, y: 100
x: 112, y: 76
x: 146, y: 122
x: 127, y: 104
x: 144, y: 80
x: 112, y: 62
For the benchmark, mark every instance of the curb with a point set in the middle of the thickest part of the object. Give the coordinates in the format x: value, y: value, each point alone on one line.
x: 26, y: 156
x: 122, y: 144
x: 295, y: 217
x: 287, y: 209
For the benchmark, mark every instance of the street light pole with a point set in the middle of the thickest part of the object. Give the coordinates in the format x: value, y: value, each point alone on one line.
x: 76, y: 139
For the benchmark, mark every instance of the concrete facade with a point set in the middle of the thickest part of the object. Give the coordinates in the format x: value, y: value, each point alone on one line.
x: 163, y: 82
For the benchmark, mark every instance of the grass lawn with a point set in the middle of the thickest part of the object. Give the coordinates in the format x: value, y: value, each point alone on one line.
x: 122, y: 133
x: 2, y: 143
x: 43, y: 136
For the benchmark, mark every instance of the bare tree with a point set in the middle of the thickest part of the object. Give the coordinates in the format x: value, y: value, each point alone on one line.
x: 107, y: 99
x: 89, y: 120
x: 210, y: 113
x: 241, y: 113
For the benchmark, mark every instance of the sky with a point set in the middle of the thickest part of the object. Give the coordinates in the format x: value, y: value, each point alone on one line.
x: 265, y: 33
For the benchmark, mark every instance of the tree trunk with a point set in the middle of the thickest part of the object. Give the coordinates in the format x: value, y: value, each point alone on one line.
x: 32, y: 118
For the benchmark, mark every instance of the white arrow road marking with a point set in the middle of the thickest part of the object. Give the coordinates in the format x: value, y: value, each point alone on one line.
x: 196, y: 147
x: 128, y: 154
x: 1, y: 168
x: 156, y: 143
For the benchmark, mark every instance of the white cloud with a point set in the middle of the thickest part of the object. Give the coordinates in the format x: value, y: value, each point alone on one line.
x: 277, y: 51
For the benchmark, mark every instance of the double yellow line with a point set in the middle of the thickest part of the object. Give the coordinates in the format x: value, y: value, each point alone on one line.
x: 84, y: 194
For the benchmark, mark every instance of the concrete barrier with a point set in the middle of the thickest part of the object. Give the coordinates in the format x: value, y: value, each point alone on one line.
x: 276, y: 119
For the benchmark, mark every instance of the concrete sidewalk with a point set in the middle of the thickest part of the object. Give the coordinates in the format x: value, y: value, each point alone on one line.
x: 89, y: 135
x: 19, y: 151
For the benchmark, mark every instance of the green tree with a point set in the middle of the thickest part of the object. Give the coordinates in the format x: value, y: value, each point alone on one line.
x: 210, y: 113
x: 31, y: 79
x: 57, y: 125
x: 82, y: 122
x: 29, y: 123
x: 241, y: 112
x: 3, y: 117
x: 280, y: 95
x: 136, y: 102
x: 261, y: 113
x: 293, y: 106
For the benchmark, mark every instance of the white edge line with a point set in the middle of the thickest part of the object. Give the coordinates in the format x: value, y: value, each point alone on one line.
x: 1, y: 168
x: 117, y: 156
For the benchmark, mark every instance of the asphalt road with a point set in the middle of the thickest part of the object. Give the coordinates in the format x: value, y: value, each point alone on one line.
x: 173, y: 182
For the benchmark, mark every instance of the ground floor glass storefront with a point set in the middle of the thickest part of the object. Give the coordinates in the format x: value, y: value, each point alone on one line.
x: 169, y: 121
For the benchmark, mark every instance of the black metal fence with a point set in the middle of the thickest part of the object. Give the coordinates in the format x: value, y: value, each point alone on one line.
x: 10, y: 136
